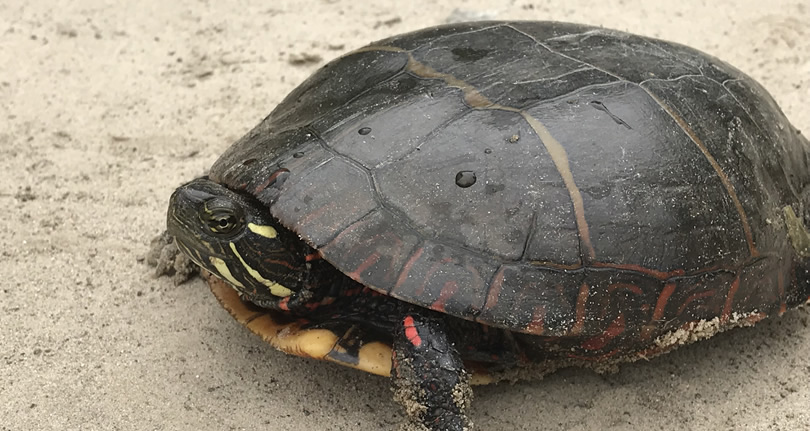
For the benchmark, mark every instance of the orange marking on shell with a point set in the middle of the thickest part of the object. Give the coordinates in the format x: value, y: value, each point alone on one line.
x: 270, y: 180
x: 447, y: 292
x: 582, y: 301
x: 410, y: 331
x: 661, y: 304
x: 403, y: 275
x: 537, y: 325
x: 283, y: 303
x: 631, y: 287
x: 661, y: 275
x: 357, y: 273
x: 564, y: 266
x: 313, y: 215
x: 735, y: 285
x: 658, y: 312
x: 429, y: 273
x: 693, y: 298
x: 494, y: 290
x: 613, y: 330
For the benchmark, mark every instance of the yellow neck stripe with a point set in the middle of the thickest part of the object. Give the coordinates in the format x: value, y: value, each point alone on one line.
x: 275, y: 288
x: 224, y: 271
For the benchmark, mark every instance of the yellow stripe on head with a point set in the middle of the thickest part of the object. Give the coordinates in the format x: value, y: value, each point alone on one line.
x: 275, y: 288
x: 265, y: 231
x: 224, y: 271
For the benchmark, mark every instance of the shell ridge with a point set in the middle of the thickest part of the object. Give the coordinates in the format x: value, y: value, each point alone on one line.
x: 553, y: 51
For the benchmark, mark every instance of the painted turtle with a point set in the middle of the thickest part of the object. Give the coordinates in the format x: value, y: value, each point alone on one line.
x: 458, y: 203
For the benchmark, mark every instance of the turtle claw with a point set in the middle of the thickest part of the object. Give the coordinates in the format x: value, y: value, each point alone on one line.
x: 428, y: 375
x: 168, y: 260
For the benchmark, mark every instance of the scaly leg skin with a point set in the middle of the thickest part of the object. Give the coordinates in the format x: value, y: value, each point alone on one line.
x: 429, y: 378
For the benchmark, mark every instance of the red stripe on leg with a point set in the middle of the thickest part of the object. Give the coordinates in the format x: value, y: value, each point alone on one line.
x: 410, y: 331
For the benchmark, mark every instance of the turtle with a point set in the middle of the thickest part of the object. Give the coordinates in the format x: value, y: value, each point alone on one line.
x: 489, y: 201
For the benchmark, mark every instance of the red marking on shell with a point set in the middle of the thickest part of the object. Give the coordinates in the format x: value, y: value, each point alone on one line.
x: 661, y: 275
x: 450, y: 288
x: 357, y: 273
x: 582, y: 301
x: 613, y: 330
x: 494, y: 289
x: 694, y: 297
x: 403, y: 275
x: 735, y: 285
x: 537, y: 325
x: 661, y: 304
x: 658, y: 312
x: 348, y: 230
x: 555, y: 265
x: 410, y: 331
x: 313, y: 215
x: 283, y: 303
x: 429, y: 273
x: 260, y: 188
x: 631, y: 287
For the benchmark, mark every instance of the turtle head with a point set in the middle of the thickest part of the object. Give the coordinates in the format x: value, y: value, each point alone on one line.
x: 234, y: 236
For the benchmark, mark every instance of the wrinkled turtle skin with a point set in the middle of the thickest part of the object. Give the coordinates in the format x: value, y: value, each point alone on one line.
x: 478, y: 198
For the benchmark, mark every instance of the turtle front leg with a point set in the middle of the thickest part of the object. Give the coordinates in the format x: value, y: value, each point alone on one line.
x: 429, y: 378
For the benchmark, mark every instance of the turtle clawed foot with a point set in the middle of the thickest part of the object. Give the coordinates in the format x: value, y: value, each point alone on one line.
x: 428, y: 375
x: 168, y: 260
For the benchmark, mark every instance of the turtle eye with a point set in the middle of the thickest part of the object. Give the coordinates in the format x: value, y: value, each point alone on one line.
x: 223, y: 223
x: 222, y: 218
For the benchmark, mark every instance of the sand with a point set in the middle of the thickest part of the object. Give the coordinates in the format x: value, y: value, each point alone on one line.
x: 105, y: 107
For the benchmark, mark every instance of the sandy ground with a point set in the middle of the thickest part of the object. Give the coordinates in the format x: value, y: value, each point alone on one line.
x: 106, y: 106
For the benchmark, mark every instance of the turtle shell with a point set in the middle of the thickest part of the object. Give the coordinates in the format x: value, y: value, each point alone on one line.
x: 558, y: 180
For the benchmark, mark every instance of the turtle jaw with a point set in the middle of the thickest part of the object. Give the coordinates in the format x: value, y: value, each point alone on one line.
x: 189, y: 234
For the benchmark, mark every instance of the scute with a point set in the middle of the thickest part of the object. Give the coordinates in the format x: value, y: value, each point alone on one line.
x: 396, y: 115
x: 610, y: 50
x: 423, y: 185
x: 611, y: 191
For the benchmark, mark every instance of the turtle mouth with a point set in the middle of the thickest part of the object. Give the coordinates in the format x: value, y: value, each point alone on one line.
x: 182, y: 223
x: 192, y: 253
